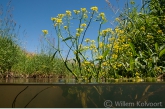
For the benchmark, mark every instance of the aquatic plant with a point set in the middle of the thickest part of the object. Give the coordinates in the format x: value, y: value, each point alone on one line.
x: 128, y: 50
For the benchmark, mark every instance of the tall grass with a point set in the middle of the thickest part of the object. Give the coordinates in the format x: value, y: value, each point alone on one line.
x: 8, y: 47
x: 17, y: 62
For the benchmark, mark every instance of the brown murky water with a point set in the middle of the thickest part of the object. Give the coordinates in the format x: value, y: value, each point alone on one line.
x: 49, y: 93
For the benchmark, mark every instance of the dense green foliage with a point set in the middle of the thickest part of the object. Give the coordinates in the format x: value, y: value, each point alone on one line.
x: 134, y: 48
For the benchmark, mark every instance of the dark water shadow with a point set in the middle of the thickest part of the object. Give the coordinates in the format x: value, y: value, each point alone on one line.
x: 61, y: 95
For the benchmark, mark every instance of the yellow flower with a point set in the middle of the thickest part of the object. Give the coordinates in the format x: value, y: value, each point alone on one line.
x: 85, y: 16
x: 87, y: 40
x: 65, y: 27
x: 104, y: 32
x: 83, y: 10
x: 77, y: 34
x: 85, y: 47
x: 117, y: 19
x: 158, y: 69
x: 116, y: 46
x: 126, y: 45
x: 114, y: 56
x: 75, y: 52
x: 137, y: 74
x: 142, y: 28
x: 55, y: 24
x: 117, y: 30
x: 102, y: 14
x: 101, y: 44
x: 59, y: 21
x: 79, y: 30
x: 86, y: 62
x: 121, y: 31
x: 100, y: 57
x: 92, y: 64
x: 94, y: 8
x: 114, y: 66
x: 109, y: 45
x: 76, y: 11
x: 92, y: 46
x: 104, y: 63
x: 119, y: 65
x: 92, y: 41
x: 111, y: 39
x: 102, y: 73
x: 160, y: 31
x: 53, y: 18
x: 149, y: 36
x: 109, y: 29
x: 45, y: 32
x: 68, y: 13
x: 83, y: 25
x: 60, y: 16
x: 95, y: 50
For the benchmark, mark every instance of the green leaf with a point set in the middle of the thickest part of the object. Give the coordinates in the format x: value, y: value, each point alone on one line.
x: 67, y: 38
x: 54, y: 55
x: 132, y: 64
x: 156, y: 47
x: 133, y: 48
x: 105, y: 53
x: 162, y: 52
x: 161, y: 47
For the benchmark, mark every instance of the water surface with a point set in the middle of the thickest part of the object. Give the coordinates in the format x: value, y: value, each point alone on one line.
x: 55, y: 93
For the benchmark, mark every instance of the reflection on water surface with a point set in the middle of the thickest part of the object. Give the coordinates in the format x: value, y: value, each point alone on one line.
x: 55, y: 93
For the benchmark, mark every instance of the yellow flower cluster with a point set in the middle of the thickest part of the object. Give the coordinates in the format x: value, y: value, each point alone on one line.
x: 45, y: 32
x: 83, y: 25
x: 76, y: 11
x: 60, y: 16
x: 114, y: 40
x: 86, y: 62
x: 79, y: 30
x: 114, y: 56
x: 85, y: 16
x: 101, y: 44
x: 53, y: 18
x: 65, y: 27
x: 102, y: 15
x: 57, y: 20
x: 77, y: 34
x: 117, y: 19
x: 100, y: 57
x: 149, y: 36
x: 84, y: 10
x: 160, y: 31
x: 87, y: 40
x: 105, y: 64
x: 68, y: 13
x: 92, y: 46
x: 92, y: 41
x: 142, y: 28
x: 94, y: 8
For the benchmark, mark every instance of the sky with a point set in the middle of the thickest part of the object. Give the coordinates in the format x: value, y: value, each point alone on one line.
x: 34, y: 16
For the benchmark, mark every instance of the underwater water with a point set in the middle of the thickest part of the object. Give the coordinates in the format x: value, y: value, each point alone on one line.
x: 49, y: 93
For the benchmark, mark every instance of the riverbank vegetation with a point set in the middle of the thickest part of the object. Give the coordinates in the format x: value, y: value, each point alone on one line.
x: 135, y: 48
